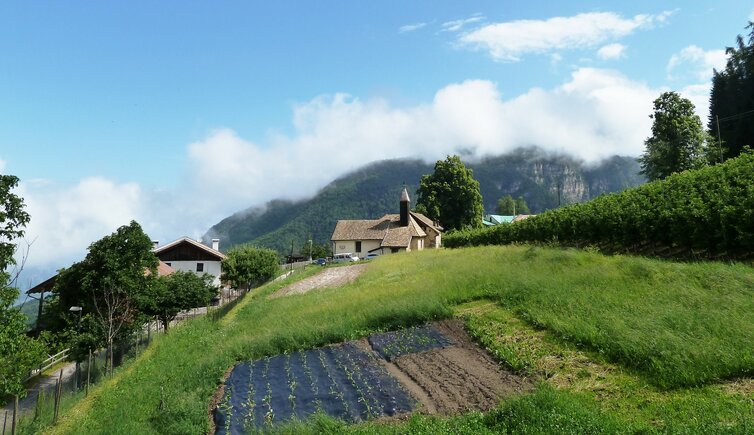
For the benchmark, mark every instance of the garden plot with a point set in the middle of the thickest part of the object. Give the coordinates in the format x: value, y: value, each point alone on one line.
x: 434, y: 369
x: 343, y: 381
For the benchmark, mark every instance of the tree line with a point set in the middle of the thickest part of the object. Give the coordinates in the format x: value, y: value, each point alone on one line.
x: 679, y: 140
x: 705, y: 213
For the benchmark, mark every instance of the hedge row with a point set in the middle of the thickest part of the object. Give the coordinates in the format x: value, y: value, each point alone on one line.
x: 703, y: 213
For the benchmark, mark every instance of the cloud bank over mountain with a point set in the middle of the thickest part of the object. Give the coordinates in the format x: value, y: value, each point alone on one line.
x: 596, y: 113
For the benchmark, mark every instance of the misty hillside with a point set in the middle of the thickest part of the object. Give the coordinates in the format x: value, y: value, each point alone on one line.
x: 544, y: 180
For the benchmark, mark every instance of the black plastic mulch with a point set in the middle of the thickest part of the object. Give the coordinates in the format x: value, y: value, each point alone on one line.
x: 393, y: 344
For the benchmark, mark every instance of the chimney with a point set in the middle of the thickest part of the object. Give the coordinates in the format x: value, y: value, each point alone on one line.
x: 155, y: 244
x: 216, y: 244
x: 405, y: 201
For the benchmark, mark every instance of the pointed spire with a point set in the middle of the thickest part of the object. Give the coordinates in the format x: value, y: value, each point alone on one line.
x: 404, y: 194
x: 404, y: 206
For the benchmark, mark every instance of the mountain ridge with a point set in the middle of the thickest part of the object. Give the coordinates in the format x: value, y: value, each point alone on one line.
x: 545, y: 180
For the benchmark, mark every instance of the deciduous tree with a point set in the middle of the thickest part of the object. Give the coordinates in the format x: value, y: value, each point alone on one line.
x: 506, y: 206
x: 112, y: 283
x: 678, y: 141
x: 451, y: 195
x: 18, y: 353
x: 246, y: 266
x: 176, y: 292
x: 521, y: 206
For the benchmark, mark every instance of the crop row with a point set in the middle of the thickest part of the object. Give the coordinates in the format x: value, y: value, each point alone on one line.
x: 342, y: 381
x: 704, y: 213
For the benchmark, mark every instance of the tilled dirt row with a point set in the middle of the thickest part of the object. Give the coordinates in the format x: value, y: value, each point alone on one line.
x: 457, y: 378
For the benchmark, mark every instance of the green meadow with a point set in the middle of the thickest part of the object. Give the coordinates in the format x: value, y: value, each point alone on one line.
x: 614, y: 343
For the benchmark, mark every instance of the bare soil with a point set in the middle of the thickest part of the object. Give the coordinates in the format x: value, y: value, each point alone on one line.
x: 329, y: 277
x: 457, y: 378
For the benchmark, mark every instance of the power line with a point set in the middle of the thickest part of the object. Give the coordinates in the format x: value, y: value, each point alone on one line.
x: 737, y: 116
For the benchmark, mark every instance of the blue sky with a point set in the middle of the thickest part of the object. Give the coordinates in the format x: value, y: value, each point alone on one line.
x: 179, y: 113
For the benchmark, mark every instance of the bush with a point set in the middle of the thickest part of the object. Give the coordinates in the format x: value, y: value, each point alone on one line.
x: 703, y: 213
x: 247, y: 266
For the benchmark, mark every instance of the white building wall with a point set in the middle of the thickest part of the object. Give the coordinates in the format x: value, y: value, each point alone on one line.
x: 213, y: 268
x: 349, y: 246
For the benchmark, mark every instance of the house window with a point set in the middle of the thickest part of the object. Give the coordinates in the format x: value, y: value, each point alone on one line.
x: 394, y: 250
x: 358, y: 246
x: 200, y: 267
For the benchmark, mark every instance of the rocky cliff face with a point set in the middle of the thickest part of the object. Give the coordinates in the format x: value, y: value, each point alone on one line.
x: 547, y: 181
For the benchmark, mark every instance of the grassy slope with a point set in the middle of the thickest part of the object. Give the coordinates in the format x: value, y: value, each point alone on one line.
x: 669, y: 324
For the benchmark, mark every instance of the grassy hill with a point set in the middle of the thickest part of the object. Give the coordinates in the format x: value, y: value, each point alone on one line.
x: 544, y: 180
x: 616, y: 344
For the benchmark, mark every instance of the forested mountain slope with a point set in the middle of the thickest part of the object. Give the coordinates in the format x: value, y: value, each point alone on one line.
x: 544, y: 180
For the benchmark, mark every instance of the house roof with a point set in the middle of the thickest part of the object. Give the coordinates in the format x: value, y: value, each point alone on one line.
x: 425, y: 221
x: 522, y: 217
x: 44, y: 286
x: 499, y: 219
x: 212, y: 253
x: 163, y: 269
x: 387, y: 229
x: 47, y: 285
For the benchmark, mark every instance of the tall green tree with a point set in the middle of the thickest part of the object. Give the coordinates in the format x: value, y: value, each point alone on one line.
x: 521, y: 206
x: 732, y: 100
x: 451, y: 196
x: 678, y: 141
x: 18, y: 353
x: 246, y: 266
x: 112, y: 284
x: 316, y: 250
x: 506, y: 206
x: 176, y: 292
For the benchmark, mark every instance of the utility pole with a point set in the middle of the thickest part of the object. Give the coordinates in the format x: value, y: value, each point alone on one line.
x: 719, y: 139
x: 290, y: 257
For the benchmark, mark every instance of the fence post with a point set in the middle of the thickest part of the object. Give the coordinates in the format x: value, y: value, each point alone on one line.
x: 40, y: 403
x: 88, y: 372
x: 58, y: 391
x: 15, y: 415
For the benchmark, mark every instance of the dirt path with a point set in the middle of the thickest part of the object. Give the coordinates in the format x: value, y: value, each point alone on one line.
x: 41, y: 383
x: 329, y: 277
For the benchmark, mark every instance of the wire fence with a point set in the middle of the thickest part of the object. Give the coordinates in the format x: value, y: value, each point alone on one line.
x: 42, y: 404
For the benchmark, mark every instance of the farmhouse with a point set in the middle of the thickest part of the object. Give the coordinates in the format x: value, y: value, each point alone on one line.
x: 391, y: 233
x: 186, y: 254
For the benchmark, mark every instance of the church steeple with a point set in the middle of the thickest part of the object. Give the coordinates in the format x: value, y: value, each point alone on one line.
x: 405, y: 202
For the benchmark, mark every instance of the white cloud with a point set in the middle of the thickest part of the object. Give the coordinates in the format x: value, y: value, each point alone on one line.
x: 597, y: 113
x: 508, y: 41
x: 697, y: 61
x: 456, y: 25
x: 411, y: 27
x: 2, y: 166
x: 612, y: 51
x: 65, y: 220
